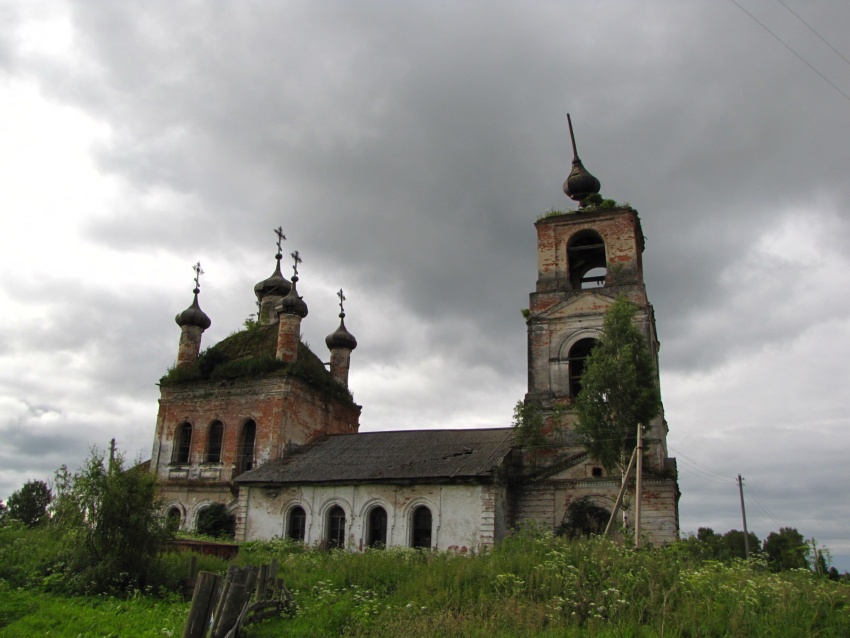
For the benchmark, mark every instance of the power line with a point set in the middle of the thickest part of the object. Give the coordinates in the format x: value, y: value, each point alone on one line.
x: 812, y: 29
x: 758, y: 501
x: 717, y: 474
x: 787, y: 46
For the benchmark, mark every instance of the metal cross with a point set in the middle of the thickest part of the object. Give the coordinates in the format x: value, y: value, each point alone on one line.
x: 341, y: 299
x: 280, y: 236
x: 296, y: 258
x: 198, y: 272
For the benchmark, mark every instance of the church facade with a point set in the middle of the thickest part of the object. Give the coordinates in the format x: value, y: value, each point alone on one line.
x: 259, y: 424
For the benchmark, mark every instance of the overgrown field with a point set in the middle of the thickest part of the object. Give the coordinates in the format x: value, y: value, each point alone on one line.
x: 532, y: 585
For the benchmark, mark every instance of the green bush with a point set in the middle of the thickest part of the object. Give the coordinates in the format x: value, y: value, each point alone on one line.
x: 215, y: 521
x: 110, y: 524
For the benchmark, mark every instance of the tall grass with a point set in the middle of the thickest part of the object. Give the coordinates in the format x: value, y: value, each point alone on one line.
x: 531, y: 585
x: 539, y: 585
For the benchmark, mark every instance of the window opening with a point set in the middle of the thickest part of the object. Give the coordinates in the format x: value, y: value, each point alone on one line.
x: 214, y: 442
x: 182, y: 443
x: 578, y: 354
x: 336, y: 528
x: 296, y: 528
x: 245, y: 455
x: 421, y: 527
x: 377, y: 527
x: 588, y: 266
x: 172, y: 519
x: 597, y: 472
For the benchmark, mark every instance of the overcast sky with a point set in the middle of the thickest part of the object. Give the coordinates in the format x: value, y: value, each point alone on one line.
x: 407, y: 148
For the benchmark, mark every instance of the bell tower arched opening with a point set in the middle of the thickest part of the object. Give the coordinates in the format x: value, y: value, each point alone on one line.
x: 586, y: 260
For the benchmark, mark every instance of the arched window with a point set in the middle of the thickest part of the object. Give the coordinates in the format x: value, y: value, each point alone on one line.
x: 245, y: 453
x: 421, y: 519
x: 214, y: 437
x: 584, y: 518
x: 336, y: 528
x: 577, y: 356
x: 587, y: 263
x: 377, y: 529
x: 182, y: 443
x: 296, y: 525
x: 172, y: 519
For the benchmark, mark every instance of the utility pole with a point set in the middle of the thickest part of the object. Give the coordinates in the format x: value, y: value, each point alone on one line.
x: 744, y: 516
x: 638, y: 481
x: 111, y: 453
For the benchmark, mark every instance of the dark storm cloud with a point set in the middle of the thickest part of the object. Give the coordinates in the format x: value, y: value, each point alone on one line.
x: 407, y: 149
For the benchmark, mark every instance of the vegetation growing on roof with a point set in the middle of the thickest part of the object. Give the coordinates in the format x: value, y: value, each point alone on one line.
x: 591, y: 203
x: 250, y: 354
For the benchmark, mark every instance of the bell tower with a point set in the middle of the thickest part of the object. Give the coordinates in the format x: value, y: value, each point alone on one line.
x: 586, y: 259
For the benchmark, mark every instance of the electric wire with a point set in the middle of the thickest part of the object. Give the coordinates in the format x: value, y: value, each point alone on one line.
x: 717, y: 474
x: 787, y: 46
x: 812, y: 29
x: 758, y: 501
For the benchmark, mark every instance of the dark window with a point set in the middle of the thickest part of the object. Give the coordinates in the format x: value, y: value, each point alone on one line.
x: 597, y: 472
x: 245, y: 453
x: 377, y: 535
x: 587, y: 264
x: 336, y: 527
x: 296, y: 528
x: 214, y: 442
x: 172, y: 519
x: 182, y: 443
x: 216, y: 520
x: 421, y: 527
x: 578, y: 355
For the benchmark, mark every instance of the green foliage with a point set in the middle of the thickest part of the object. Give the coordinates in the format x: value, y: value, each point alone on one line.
x: 217, y: 522
x: 250, y: 354
x: 618, y: 389
x: 29, y: 504
x: 728, y: 546
x: 30, y: 613
x: 528, y: 424
x: 526, y: 313
x: 786, y: 549
x: 532, y: 584
x: 109, y: 519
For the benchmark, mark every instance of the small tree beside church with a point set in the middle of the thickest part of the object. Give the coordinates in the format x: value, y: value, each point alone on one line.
x: 618, y: 390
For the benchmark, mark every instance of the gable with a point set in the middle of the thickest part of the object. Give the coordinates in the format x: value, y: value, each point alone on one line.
x: 584, y: 304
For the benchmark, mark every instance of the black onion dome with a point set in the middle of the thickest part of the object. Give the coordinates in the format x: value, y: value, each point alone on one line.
x: 342, y: 338
x: 193, y: 316
x: 580, y: 183
x: 292, y: 304
x: 277, y: 284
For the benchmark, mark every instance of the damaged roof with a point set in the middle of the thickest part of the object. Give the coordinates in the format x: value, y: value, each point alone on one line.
x: 390, y: 456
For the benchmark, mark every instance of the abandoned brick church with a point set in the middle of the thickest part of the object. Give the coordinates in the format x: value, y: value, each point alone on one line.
x: 258, y: 423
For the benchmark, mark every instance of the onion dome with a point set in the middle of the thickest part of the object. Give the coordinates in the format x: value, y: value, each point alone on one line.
x: 277, y: 284
x: 193, y: 315
x: 293, y: 304
x: 342, y: 338
x: 580, y: 184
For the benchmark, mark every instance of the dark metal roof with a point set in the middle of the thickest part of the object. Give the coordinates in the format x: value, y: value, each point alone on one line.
x: 390, y: 456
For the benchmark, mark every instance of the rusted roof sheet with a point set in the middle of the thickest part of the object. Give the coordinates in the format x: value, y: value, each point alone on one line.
x: 390, y: 456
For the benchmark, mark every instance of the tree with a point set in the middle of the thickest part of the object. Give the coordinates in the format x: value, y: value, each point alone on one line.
x: 111, y: 518
x: 618, y: 389
x: 786, y: 549
x: 29, y: 504
x: 216, y: 521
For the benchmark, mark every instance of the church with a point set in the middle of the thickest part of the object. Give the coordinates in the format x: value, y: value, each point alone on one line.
x: 260, y: 424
